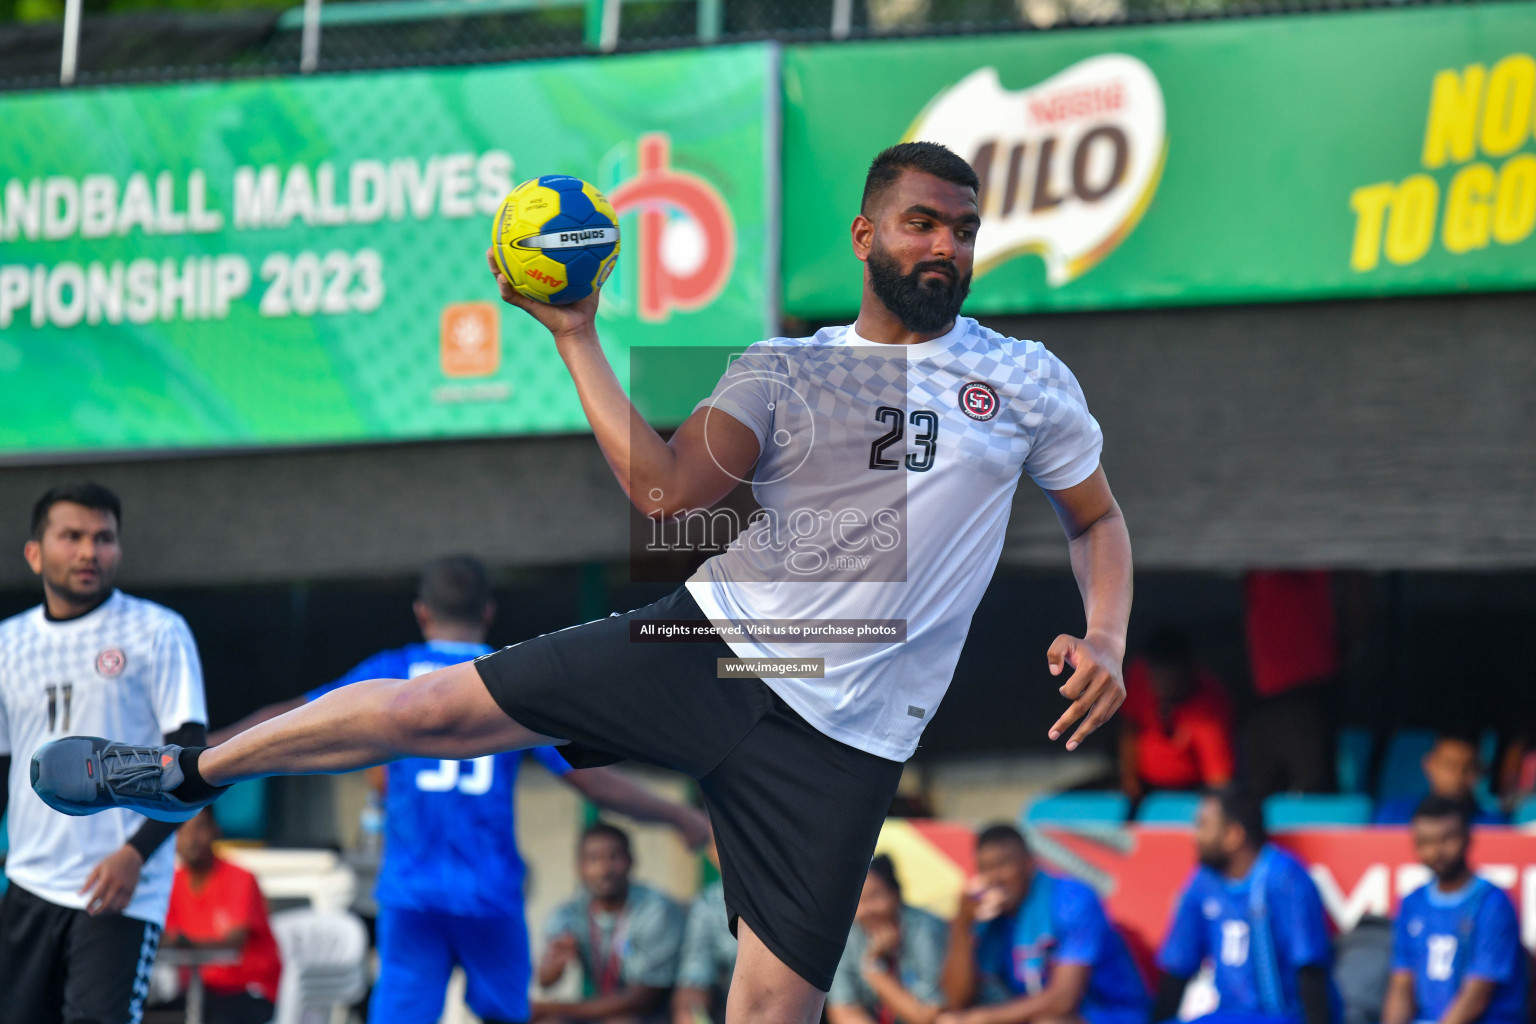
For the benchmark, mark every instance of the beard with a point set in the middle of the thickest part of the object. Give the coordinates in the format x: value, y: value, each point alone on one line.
x: 1214, y: 859
x: 1456, y: 869
x: 59, y: 581
x: 922, y: 307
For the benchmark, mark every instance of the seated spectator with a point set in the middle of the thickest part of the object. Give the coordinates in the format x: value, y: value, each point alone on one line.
x: 625, y: 936
x: 1251, y: 909
x: 1517, y: 770
x: 890, y: 967
x: 1176, y: 722
x: 1457, y: 957
x: 1035, y: 947
x: 216, y: 905
x: 1452, y: 770
x: 708, y: 956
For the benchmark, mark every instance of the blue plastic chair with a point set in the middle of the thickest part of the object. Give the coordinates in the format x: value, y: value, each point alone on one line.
x: 1353, y: 759
x: 1287, y: 812
x: 1402, y: 774
x: 1105, y: 809
x: 1168, y: 808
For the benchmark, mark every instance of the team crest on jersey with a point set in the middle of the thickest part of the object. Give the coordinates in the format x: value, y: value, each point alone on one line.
x: 978, y: 400
x: 1211, y: 908
x: 111, y: 661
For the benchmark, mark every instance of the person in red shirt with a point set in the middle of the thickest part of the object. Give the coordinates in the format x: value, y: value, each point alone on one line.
x: 1177, y: 731
x: 216, y: 905
x: 1293, y: 656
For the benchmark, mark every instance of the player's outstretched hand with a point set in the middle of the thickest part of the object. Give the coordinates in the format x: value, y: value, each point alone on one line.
x: 1095, y: 687
x: 111, y: 883
x: 570, y: 321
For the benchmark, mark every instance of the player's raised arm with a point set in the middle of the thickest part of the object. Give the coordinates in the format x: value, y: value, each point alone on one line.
x: 661, y: 478
x: 1101, y: 561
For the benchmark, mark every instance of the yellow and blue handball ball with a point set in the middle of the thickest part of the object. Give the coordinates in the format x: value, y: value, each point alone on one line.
x: 556, y: 239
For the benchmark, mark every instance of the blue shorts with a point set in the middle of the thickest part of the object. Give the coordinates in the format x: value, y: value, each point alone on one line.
x: 1114, y: 1015
x: 418, y: 950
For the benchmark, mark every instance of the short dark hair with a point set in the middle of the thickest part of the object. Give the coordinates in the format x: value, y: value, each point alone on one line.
x: 883, y: 868
x: 1240, y: 807
x: 603, y: 828
x: 927, y: 157
x: 1001, y: 832
x: 1457, y: 734
x: 91, y: 495
x: 1434, y: 806
x: 456, y: 588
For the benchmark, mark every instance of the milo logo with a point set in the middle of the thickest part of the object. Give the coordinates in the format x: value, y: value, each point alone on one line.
x: 1067, y: 166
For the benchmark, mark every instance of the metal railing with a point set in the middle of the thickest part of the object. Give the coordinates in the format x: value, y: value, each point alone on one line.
x: 343, y: 35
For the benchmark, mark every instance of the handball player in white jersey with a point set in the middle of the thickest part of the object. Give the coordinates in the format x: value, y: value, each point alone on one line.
x: 81, y: 920
x: 885, y: 456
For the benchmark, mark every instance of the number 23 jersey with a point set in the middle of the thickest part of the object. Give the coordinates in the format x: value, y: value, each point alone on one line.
x: 886, y: 475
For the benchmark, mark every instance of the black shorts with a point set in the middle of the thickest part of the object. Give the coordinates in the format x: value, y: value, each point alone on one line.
x: 61, y: 964
x: 795, y: 812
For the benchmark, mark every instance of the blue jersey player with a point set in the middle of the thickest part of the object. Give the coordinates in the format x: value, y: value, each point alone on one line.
x: 450, y: 888
x: 1457, y: 956
x: 1253, y: 912
x: 1035, y: 947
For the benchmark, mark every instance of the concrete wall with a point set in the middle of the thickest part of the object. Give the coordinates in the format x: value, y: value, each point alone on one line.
x: 1380, y: 434
x: 1372, y: 434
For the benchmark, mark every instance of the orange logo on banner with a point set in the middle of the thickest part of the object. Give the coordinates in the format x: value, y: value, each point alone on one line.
x: 470, y: 339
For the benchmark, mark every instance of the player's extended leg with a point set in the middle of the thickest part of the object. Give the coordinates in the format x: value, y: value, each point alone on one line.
x: 445, y: 714
x: 765, y: 990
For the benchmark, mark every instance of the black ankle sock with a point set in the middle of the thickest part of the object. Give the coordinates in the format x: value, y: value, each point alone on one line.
x: 195, y: 788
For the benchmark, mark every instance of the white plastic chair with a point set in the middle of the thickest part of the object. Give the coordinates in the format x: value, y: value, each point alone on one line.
x: 325, y: 958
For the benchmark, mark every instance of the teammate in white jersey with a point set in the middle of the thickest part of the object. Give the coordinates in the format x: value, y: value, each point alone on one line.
x: 886, y: 456
x: 81, y: 920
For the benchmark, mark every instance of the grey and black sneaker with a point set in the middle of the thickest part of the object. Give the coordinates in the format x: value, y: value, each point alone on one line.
x: 84, y: 774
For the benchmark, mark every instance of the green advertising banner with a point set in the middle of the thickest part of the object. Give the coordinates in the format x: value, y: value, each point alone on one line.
x: 1361, y: 154
x: 302, y: 261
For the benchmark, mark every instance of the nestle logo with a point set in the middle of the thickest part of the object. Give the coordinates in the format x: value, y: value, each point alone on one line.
x: 1073, y: 103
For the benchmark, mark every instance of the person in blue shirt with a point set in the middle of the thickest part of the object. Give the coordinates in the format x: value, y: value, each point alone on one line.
x: 1452, y: 769
x: 1251, y: 910
x: 450, y: 886
x: 1456, y: 957
x: 1035, y: 947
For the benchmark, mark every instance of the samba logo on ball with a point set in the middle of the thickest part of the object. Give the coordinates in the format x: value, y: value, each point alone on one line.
x: 556, y: 239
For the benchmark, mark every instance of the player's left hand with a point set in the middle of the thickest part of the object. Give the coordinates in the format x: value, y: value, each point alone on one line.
x: 111, y: 883
x: 1095, y: 687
